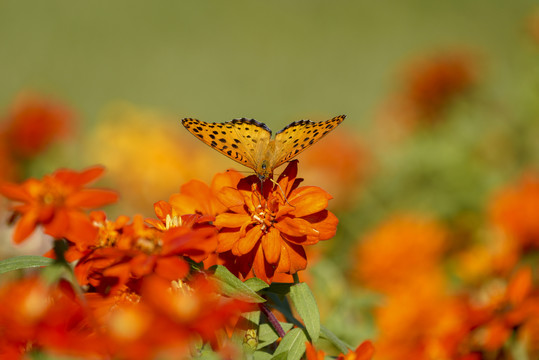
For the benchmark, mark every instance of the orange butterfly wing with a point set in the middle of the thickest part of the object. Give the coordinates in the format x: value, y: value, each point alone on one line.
x: 298, y: 136
x: 242, y: 140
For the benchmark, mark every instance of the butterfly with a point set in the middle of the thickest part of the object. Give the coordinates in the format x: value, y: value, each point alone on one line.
x: 249, y: 142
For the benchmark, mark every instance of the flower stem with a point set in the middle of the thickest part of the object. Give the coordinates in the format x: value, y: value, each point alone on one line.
x: 272, y: 320
x: 295, y: 276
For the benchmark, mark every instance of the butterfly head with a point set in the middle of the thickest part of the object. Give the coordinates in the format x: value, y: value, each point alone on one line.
x: 263, y: 171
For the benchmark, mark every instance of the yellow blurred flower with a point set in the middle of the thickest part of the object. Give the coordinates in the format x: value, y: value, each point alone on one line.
x: 148, y: 155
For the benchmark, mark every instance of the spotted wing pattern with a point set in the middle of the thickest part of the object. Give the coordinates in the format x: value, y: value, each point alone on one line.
x: 239, y: 139
x: 298, y: 136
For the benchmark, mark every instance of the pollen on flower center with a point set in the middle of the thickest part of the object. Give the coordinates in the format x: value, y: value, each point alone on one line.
x: 173, y: 221
x: 264, y: 217
x: 148, y: 245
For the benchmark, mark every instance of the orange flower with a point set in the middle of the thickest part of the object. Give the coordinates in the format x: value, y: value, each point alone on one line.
x: 57, y: 202
x: 502, y: 308
x: 364, y: 351
x: 401, y: 249
x: 434, y: 82
x: 35, y: 315
x: 420, y: 321
x: 34, y: 123
x: 265, y: 233
x: 515, y: 210
x: 137, y: 251
x: 197, y: 197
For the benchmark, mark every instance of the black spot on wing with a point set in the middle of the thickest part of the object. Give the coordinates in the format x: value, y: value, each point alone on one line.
x: 251, y: 122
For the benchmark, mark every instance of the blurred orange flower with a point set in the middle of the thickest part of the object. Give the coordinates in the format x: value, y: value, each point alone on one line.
x: 364, y: 351
x: 35, y: 315
x: 501, y: 308
x: 163, y: 319
x: 432, y: 83
x: 515, y: 209
x: 420, y: 321
x: 58, y: 202
x: 428, y: 88
x: 141, y: 251
x: 400, y: 249
x: 265, y: 232
x: 34, y: 122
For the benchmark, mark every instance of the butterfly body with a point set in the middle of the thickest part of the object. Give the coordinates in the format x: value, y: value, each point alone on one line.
x: 249, y: 142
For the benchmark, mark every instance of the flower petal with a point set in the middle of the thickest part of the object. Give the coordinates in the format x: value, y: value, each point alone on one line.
x: 293, y: 258
x: 230, y: 220
x: 25, y: 226
x: 232, y: 199
x: 226, y: 239
x: 247, y: 242
x: 308, y: 200
x: 77, y: 179
x: 59, y: 224
x: 172, y: 268
x: 296, y: 227
x: 271, y: 244
x: 15, y: 192
x: 325, y: 222
x: 91, y: 198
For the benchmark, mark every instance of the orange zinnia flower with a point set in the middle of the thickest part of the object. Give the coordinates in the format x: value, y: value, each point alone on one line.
x: 364, y: 351
x: 58, y: 202
x: 515, y: 210
x: 34, y: 123
x: 49, y: 318
x: 265, y: 232
x: 401, y: 249
x: 502, y: 308
x: 139, y: 251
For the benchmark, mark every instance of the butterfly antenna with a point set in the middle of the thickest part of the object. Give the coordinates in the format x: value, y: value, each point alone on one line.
x: 282, y: 191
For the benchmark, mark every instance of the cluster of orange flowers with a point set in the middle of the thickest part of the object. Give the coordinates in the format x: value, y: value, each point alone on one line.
x: 429, y: 314
x: 145, y: 292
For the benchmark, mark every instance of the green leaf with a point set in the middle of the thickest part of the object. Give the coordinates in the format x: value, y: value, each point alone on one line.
x: 24, y: 262
x: 267, y: 334
x: 283, y: 306
x: 234, y: 287
x: 305, y: 304
x: 279, y: 288
x: 281, y: 356
x: 293, y: 344
x: 262, y: 355
x: 339, y: 344
x: 256, y: 284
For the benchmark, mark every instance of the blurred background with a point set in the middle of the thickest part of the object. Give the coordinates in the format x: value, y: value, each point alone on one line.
x: 442, y: 128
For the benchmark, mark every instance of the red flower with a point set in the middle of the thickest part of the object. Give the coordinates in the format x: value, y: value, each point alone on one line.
x: 49, y: 318
x: 58, y: 202
x: 265, y: 232
x: 138, y: 251
x: 34, y: 123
